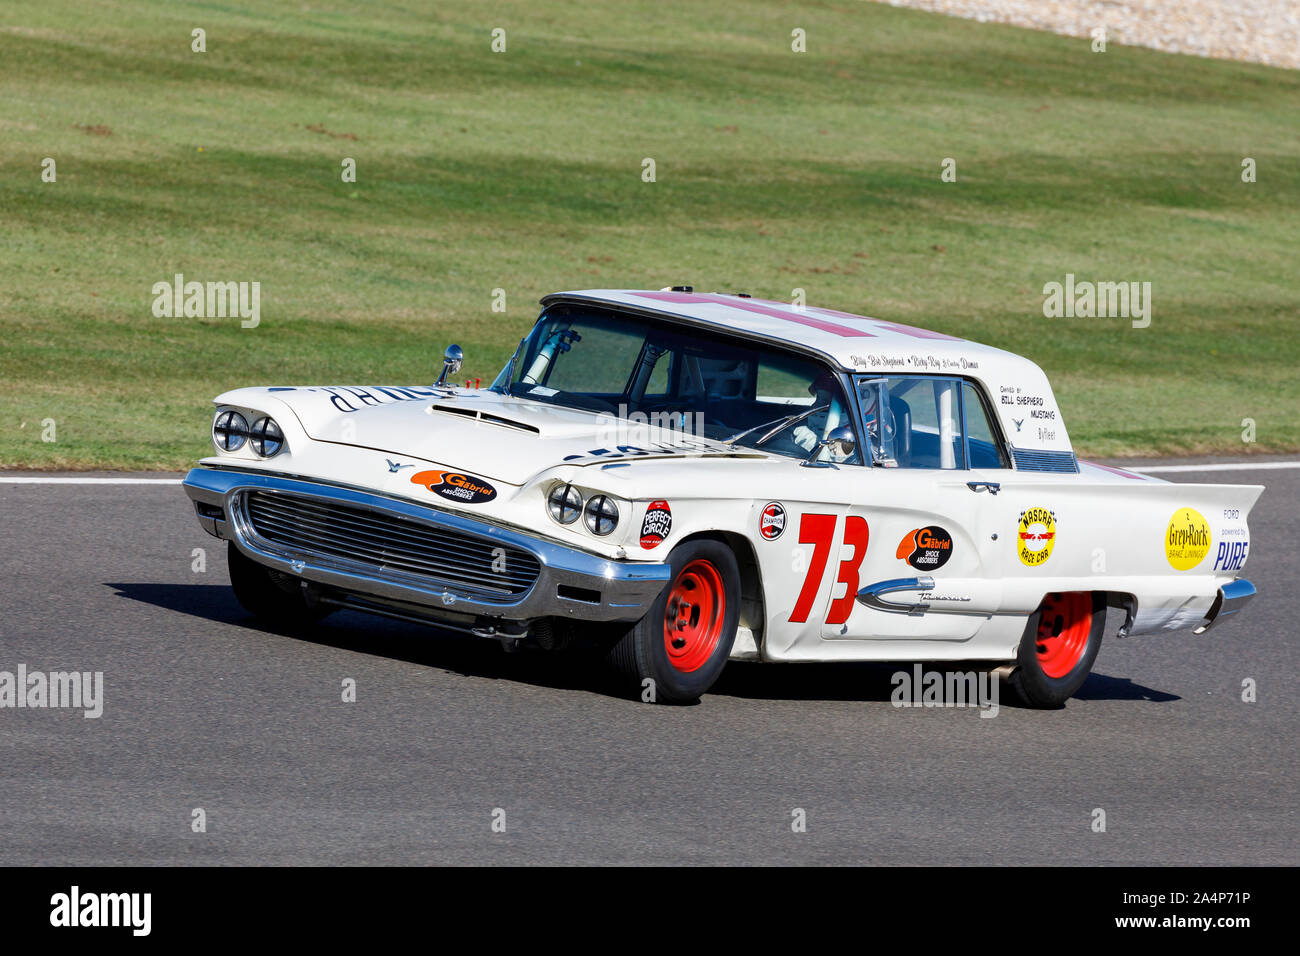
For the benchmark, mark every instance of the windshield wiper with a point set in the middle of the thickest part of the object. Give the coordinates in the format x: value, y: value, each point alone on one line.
x: 777, y: 426
x: 510, y: 372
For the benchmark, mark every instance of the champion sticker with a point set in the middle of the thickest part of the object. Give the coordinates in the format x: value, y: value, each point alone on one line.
x: 454, y: 486
x: 772, y: 521
x: 926, y: 549
x: 656, y: 524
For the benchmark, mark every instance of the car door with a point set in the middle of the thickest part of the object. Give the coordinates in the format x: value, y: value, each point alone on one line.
x: 916, y: 538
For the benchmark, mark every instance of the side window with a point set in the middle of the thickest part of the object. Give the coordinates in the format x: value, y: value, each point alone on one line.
x: 916, y: 422
x: 925, y: 420
x: 981, y: 441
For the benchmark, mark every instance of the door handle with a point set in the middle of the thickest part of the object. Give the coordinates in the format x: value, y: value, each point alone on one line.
x: 871, y: 594
x: 992, y: 487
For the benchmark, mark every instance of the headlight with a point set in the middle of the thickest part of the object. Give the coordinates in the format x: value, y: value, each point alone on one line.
x: 229, y: 431
x: 564, y: 503
x: 601, y: 515
x: 266, y: 437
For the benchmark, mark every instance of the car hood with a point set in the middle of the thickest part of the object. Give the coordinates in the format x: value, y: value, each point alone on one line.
x: 489, y: 434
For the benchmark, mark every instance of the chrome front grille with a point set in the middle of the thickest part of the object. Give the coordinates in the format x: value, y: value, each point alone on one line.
x: 380, y: 542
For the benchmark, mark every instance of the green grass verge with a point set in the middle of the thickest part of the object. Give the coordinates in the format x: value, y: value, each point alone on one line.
x: 522, y: 171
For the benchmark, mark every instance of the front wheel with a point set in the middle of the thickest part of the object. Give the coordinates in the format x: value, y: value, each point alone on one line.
x: 270, y: 596
x: 676, y: 652
x: 1059, y: 647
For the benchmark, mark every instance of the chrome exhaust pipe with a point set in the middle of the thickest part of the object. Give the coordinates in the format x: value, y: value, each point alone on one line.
x: 1232, y: 597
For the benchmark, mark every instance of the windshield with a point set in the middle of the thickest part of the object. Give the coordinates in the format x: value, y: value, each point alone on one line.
x: 644, y: 371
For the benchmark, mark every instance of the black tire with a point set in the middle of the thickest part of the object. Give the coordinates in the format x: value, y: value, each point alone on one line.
x: 1037, y: 688
x: 270, y: 596
x: 642, y: 653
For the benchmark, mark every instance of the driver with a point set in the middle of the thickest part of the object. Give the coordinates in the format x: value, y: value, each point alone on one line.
x: 825, y: 391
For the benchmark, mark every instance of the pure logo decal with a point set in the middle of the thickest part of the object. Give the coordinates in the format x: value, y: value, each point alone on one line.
x: 772, y: 521
x: 1187, y: 539
x: 656, y: 525
x: 454, y: 486
x: 1231, y: 555
x: 1036, y: 535
x: 926, y: 549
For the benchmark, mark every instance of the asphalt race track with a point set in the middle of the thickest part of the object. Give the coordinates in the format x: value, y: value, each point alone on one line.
x: 203, y: 709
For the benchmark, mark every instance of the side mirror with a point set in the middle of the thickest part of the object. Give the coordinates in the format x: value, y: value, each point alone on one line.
x: 451, y: 362
x: 841, y: 441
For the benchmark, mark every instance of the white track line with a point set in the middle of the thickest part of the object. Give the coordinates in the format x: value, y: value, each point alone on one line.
x: 10, y: 480
x: 1217, y: 466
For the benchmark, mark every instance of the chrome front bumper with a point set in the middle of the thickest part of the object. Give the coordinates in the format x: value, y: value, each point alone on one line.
x: 571, y: 583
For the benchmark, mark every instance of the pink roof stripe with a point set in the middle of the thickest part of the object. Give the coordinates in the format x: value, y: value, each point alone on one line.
x: 911, y: 330
x: 776, y: 310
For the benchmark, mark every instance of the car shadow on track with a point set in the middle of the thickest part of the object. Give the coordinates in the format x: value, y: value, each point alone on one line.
x: 1101, y: 687
x: 428, y: 646
x: 424, y: 645
x: 212, y: 602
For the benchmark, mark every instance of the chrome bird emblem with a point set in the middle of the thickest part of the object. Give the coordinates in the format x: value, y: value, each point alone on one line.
x: 394, y: 466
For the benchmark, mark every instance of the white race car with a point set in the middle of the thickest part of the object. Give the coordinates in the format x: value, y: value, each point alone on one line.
x: 681, y: 478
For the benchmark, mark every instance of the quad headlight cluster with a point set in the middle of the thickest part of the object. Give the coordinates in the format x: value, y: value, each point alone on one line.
x: 266, y: 438
x: 599, y: 513
x: 230, y: 430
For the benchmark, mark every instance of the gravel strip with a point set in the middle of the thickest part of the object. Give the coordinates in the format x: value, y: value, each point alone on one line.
x: 1259, y: 31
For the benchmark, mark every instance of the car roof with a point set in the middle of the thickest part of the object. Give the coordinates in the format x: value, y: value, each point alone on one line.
x: 853, y: 342
x: 1018, y: 391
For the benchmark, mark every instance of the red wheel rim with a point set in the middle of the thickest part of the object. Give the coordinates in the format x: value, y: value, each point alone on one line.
x: 697, y: 605
x: 1063, y: 632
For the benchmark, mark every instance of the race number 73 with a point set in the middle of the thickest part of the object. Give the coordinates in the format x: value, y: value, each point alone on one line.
x: 819, y: 531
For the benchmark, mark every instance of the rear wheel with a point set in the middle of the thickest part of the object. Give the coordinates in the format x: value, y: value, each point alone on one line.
x: 270, y: 596
x: 684, y: 640
x: 1059, y: 647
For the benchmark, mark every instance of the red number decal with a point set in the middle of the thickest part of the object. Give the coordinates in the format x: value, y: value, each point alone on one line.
x: 817, y: 530
x: 856, y: 535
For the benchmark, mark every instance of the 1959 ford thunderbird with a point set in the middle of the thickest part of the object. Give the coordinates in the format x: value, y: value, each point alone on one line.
x: 683, y: 478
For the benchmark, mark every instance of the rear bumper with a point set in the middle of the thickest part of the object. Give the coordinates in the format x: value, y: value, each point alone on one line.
x: 1232, y: 597
x: 570, y: 584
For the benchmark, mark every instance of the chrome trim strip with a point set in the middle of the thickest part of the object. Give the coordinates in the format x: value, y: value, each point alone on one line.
x: 1232, y: 597
x: 871, y: 594
x: 627, y: 590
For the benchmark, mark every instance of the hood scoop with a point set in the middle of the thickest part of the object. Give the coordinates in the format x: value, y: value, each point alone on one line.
x: 487, y: 417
